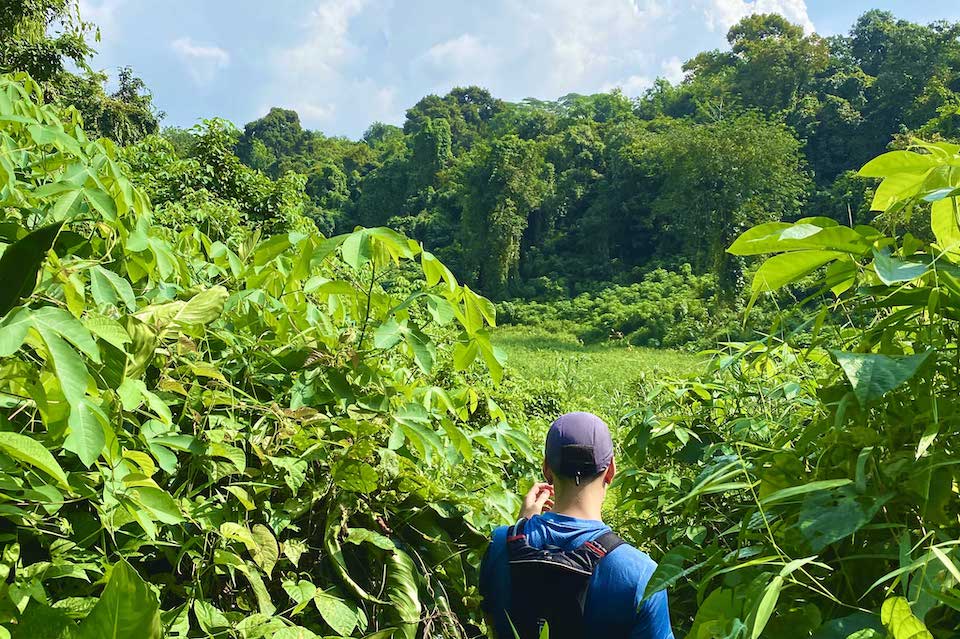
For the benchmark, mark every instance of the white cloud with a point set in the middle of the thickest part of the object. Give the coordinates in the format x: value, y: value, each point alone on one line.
x: 632, y: 87
x: 355, y: 61
x: 723, y: 14
x: 102, y: 13
x: 202, y: 61
x: 672, y: 69
x: 327, y: 41
x: 321, y: 75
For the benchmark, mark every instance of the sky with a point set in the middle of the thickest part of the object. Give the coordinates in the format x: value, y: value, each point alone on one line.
x: 343, y: 64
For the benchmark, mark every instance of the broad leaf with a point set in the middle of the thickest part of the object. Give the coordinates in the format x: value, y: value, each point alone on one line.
x: 872, y: 375
x: 30, y: 451
x: 21, y: 262
x: 127, y: 609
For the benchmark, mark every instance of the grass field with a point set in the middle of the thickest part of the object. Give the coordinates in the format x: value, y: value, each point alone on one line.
x: 597, y: 378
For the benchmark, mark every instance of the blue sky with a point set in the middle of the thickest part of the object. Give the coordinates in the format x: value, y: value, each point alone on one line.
x: 343, y: 64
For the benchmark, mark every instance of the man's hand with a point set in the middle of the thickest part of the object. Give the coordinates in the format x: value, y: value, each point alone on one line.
x: 537, y: 501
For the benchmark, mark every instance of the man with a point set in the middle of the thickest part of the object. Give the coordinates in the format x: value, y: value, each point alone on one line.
x: 560, y: 566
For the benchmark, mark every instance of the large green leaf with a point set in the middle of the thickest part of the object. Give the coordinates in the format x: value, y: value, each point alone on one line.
x: 40, y: 621
x: 53, y: 320
x: 829, y: 516
x: 945, y: 223
x: 30, y: 451
x: 335, y: 612
x: 900, y: 620
x: 13, y: 331
x: 21, y: 262
x: 776, y: 237
x: 267, y: 550
x: 892, y: 270
x: 127, y: 609
x: 403, y: 593
x: 355, y: 475
x: 88, y: 427
x: 898, y: 162
x: 872, y: 375
x: 787, y: 268
x: 670, y: 569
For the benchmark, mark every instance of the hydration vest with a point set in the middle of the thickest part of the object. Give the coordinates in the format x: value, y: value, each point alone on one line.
x: 549, y: 587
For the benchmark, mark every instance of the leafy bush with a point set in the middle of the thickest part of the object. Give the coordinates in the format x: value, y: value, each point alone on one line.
x: 806, y: 485
x: 278, y: 439
x: 666, y: 308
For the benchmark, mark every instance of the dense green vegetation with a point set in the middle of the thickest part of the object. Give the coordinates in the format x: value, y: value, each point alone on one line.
x: 227, y: 410
x: 545, y: 199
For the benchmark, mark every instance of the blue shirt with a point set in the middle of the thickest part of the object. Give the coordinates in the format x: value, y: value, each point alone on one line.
x: 614, y: 607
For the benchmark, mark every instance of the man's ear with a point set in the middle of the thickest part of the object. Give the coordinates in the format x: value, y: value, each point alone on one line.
x: 547, y: 473
x: 610, y: 472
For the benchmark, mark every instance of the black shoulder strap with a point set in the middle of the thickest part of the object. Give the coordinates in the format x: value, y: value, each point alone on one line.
x: 609, y: 541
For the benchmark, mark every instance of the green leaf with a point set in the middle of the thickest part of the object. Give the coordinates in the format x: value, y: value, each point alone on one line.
x: 357, y: 249
x: 211, y: 620
x: 945, y: 222
x: 356, y: 476
x: 13, y: 331
x: 872, y: 375
x: 403, y: 593
x: 40, y: 621
x: 424, y: 350
x: 127, y: 609
x: 109, y: 330
x: 898, y: 162
x: 20, y: 264
x: 30, y: 451
x: 362, y: 535
x: 202, y: 308
x: 789, y: 267
x: 102, y: 202
x: 670, y: 569
x: 271, y: 248
x: 892, y: 270
x: 109, y: 288
x: 829, y: 516
x: 387, y: 334
x: 45, y: 134
x: 87, y: 436
x: 336, y: 613
x: 803, y: 489
x: 850, y: 626
x: 766, y: 606
x: 50, y: 319
x: 900, y: 620
x: 158, y: 503
x: 267, y: 551
x: 776, y: 237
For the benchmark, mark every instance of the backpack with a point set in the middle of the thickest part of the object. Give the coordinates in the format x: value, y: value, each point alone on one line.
x: 550, y: 586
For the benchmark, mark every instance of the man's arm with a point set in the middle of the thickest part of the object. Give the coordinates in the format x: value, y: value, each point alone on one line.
x: 653, y: 618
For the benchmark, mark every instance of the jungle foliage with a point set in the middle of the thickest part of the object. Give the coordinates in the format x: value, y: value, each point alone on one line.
x: 806, y: 484
x: 260, y: 436
x: 522, y: 199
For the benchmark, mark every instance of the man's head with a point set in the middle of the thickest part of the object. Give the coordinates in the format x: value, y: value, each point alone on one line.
x: 578, y: 452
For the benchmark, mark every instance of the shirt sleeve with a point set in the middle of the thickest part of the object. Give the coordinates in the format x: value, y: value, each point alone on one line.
x: 653, y: 618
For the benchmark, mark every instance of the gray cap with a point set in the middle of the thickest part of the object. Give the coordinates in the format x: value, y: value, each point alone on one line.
x: 579, y: 445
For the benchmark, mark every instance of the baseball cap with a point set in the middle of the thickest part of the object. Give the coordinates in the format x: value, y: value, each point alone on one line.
x: 579, y: 445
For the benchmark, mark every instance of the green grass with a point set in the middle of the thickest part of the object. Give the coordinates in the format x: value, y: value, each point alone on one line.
x: 598, y: 378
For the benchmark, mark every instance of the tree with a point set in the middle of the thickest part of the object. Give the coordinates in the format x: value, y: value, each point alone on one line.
x: 39, y: 36
x: 774, y: 60
x: 499, y: 186
x: 279, y: 134
x: 719, y: 179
